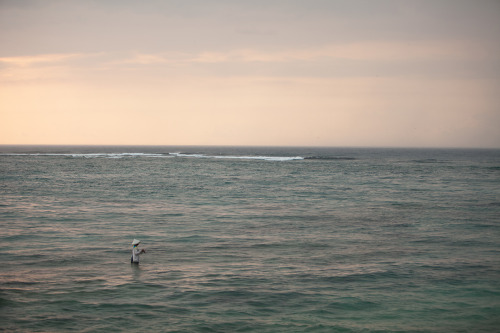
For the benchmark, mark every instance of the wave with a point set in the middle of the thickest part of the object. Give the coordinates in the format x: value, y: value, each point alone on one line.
x: 330, y: 158
x: 428, y: 161
x: 183, y: 155
x: 90, y: 155
x: 241, y: 157
x: 158, y: 155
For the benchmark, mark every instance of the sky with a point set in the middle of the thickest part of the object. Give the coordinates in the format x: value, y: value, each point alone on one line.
x: 386, y: 73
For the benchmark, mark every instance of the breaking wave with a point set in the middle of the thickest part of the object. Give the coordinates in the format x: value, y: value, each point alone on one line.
x: 118, y: 155
x: 158, y: 155
x: 90, y: 155
x: 330, y: 158
x: 241, y: 157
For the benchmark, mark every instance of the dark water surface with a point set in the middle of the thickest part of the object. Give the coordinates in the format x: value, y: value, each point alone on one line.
x: 249, y: 239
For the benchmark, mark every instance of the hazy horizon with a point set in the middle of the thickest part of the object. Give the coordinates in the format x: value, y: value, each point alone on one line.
x: 390, y: 74
x: 241, y: 146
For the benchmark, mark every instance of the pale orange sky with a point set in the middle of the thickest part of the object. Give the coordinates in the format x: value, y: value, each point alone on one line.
x: 297, y: 73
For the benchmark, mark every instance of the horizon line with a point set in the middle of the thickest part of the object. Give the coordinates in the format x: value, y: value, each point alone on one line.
x: 245, y: 146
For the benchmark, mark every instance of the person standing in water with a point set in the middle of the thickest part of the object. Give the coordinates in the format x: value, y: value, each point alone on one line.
x: 136, y: 252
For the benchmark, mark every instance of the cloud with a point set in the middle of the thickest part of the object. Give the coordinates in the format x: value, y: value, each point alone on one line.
x: 47, y: 66
x: 367, y: 51
x: 23, y: 61
x: 333, y: 60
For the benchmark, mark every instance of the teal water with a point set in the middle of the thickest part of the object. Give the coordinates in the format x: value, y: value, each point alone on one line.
x: 249, y: 239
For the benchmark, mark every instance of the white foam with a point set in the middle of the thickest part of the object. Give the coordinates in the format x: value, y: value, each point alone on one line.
x: 120, y: 155
x: 90, y: 155
x: 189, y: 155
x: 156, y: 155
x: 243, y: 157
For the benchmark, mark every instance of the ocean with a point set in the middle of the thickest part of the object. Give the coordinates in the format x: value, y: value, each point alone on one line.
x: 249, y: 239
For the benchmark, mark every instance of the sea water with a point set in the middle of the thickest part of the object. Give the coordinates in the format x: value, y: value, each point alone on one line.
x: 249, y: 239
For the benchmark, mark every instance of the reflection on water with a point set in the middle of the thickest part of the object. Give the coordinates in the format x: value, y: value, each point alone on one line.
x: 376, y: 242
x: 136, y: 271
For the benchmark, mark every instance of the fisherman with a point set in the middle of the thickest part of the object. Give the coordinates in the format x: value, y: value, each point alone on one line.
x: 136, y: 252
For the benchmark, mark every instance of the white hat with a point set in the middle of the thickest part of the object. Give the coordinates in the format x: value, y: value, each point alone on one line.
x: 136, y: 242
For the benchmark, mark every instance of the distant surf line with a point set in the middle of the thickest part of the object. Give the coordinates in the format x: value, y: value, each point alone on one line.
x: 159, y: 155
x: 182, y: 155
